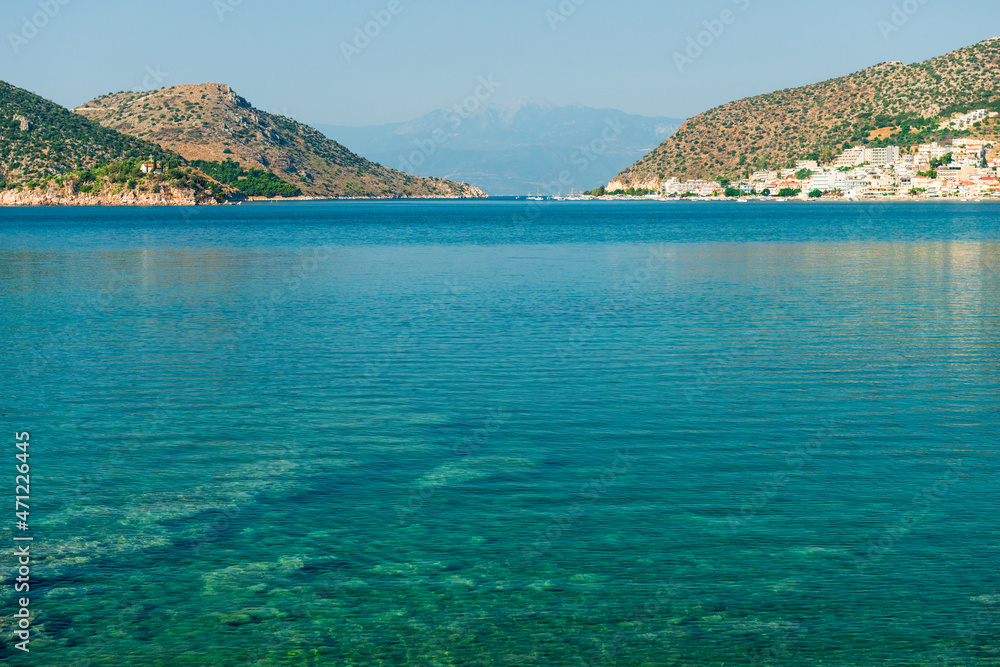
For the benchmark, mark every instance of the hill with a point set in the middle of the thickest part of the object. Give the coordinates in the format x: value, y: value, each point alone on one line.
x: 40, y: 139
x: 516, y: 148
x: 889, y: 104
x: 211, y: 123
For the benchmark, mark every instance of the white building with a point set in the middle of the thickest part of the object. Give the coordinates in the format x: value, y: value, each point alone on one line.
x: 933, y: 151
x: 851, y: 157
x: 881, y: 156
x: 826, y: 181
x: 969, y: 118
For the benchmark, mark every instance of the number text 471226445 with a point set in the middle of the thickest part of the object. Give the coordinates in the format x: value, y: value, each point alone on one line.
x: 22, y: 540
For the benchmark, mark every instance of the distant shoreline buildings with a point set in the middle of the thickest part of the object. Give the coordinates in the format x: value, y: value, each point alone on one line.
x: 964, y: 168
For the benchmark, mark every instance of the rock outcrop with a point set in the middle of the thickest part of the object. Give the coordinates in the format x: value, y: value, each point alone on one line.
x: 55, y: 195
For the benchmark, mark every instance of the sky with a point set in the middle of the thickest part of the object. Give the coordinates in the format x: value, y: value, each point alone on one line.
x: 378, y: 61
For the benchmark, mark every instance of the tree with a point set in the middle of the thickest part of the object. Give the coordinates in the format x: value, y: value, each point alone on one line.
x: 940, y: 162
x: 733, y: 192
x: 803, y: 174
x: 816, y: 194
x: 766, y: 192
x: 789, y: 192
x: 724, y: 183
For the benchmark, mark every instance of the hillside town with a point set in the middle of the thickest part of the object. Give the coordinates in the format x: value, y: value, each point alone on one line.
x: 964, y: 168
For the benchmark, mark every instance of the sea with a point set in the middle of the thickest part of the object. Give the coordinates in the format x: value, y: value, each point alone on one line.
x: 501, y: 433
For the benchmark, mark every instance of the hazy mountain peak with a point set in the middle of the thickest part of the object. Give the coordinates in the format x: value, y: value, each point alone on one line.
x: 507, y: 112
x: 515, y: 147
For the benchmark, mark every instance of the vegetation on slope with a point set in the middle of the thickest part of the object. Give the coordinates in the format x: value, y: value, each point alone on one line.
x: 890, y: 104
x: 40, y: 139
x: 252, y: 183
x: 116, y: 178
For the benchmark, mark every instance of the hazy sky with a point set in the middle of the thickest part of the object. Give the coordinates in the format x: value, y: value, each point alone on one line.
x: 288, y: 57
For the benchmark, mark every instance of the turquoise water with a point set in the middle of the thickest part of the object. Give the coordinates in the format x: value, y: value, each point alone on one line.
x: 478, y: 433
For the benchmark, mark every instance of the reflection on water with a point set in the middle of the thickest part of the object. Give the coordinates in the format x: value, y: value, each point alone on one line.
x: 342, y: 434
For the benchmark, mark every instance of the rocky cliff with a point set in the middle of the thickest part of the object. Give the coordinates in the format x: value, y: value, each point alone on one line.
x: 54, y: 194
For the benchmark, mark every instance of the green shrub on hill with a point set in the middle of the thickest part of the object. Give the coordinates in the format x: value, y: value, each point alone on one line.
x: 252, y: 183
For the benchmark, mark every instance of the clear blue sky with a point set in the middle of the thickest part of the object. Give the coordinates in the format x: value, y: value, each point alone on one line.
x: 287, y: 57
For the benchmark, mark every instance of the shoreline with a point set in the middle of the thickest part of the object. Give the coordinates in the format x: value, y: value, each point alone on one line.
x: 45, y: 201
x: 99, y: 202
x: 777, y: 200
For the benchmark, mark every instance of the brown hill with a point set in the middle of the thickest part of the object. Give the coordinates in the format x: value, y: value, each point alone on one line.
x: 907, y: 102
x: 211, y: 122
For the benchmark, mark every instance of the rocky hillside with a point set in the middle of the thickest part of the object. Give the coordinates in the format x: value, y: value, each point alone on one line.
x: 890, y: 103
x: 211, y: 122
x: 40, y: 139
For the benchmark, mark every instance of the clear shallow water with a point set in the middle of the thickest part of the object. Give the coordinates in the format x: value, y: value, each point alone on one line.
x: 478, y: 433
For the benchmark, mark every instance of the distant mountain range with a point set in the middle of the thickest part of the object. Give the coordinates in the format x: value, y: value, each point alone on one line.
x: 888, y: 104
x: 523, y: 147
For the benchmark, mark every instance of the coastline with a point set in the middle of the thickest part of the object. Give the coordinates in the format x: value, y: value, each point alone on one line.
x: 32, y: 199
x: 146, y: 202
x: 803, y: 200
x: 35, y: 198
